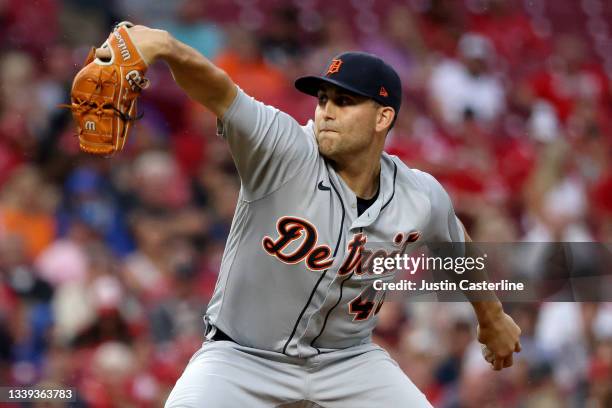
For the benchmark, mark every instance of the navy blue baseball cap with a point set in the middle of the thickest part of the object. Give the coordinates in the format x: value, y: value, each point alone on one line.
x: 361, y: 73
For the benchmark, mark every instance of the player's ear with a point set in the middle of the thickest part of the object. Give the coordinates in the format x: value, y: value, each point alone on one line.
x: 385, y: 117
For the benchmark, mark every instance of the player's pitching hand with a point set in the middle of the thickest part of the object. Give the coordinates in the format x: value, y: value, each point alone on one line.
x: 499, y: 335
x: 151, y: 43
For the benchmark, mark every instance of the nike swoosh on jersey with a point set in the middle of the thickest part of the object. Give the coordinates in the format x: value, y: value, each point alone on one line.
x: 321, y: 187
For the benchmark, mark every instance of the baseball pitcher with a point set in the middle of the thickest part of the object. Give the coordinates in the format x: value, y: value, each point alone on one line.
x: 291, y: 318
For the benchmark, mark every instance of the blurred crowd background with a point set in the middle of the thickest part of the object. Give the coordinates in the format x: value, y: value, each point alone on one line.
x: 106, y: 265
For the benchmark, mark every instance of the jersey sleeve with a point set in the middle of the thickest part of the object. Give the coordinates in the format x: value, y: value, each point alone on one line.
x: 444, y: 226
x: 268, y: 146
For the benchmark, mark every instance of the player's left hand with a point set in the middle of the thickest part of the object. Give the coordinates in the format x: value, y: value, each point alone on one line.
x: 150, y: 43
x: 499, y: 335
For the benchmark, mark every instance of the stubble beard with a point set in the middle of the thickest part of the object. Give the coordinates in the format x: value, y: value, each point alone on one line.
x: 325, y: 150
x: 337, y: 149
x: 326, y: 146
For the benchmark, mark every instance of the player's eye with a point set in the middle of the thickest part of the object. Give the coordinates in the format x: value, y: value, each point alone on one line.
x: 343, y: 101
x: 322, y: 99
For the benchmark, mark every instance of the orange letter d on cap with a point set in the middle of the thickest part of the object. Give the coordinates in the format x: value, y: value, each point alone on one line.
x: 334, y: 66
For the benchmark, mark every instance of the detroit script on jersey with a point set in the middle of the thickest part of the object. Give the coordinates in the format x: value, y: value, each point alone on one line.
x: 316, y: 257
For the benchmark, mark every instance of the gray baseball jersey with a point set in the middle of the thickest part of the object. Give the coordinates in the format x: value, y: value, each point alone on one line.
x: 290, y: 280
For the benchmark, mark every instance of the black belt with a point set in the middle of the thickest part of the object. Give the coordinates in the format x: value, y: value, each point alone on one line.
x: 220, y: 336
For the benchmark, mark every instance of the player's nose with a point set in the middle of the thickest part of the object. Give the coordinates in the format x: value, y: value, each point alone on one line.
x: 328, y: 109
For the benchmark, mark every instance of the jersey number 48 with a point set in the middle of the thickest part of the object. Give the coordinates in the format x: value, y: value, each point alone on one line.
x: 369, y: 300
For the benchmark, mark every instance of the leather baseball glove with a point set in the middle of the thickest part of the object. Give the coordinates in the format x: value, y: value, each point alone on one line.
x: 104, y: 94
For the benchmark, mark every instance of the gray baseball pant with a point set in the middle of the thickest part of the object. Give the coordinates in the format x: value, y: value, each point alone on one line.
x: 223, y: 374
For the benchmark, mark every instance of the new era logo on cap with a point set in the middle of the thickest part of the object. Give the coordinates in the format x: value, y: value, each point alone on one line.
x: 383, y: 92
